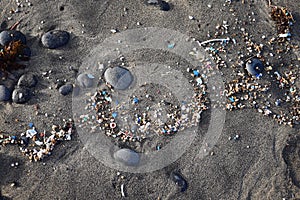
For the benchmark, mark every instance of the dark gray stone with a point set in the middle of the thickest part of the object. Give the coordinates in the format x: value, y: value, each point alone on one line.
x: 127, y: 157
x: 21, y: 95
x: 165, y: 6
x: 119, y: 77
x: 27, y: 80
x: 65, y: 89
x: 85, y: 81
x: 254, y: 67
x: 4, y: 93
x: 55, y: 38
x: 11, y: 35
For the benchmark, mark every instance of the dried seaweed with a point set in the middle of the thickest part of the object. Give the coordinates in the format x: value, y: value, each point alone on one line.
x: 9, y: 56
x: 283, y: 19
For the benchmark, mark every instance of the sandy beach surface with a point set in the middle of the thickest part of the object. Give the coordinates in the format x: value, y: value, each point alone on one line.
x: 241, y: 155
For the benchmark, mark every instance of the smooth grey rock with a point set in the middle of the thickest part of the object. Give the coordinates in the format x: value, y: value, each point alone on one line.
x: 152, y: 2
x: 254, y: 67
x: 127, y: 157
x: 119, y: 77
x: 27, y: 80
x: 11, y: 35
x: 21, y: 95
x: 55, y: 38
x: 85, y: 81
x: 4, y: 93
x: 65, y: 89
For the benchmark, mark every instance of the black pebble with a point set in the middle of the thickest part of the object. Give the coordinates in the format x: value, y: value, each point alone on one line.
x: 165, y: 6
x: 55, y: 38
x: 179, y: 180
x: 11, y: 35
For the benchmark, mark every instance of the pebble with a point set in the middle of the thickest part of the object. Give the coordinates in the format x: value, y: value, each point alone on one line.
x: 152, y: 2
x: 21, y: 95
x: 127, y: 157
x: 55, y: 38
x: 11, y: 35
x: 84, y: 80
x: 4, y: 93
x: 179, y: 180
x: 254, y: 67
x: 65, y: 89
x: 26, y: 54
x: 27, y: 80
x: 165, y: 6
x: 119, y: 77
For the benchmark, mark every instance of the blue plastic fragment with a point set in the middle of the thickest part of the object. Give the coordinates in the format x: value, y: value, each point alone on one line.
x: 114, y: 114
x: 14, y: 137
x: 103, y: 92
x: 196, y: 73
x: 171, y: 46
x: 259, y: 75
x: 30, y: 125
x: 231, y: 99
x: 135, y: 100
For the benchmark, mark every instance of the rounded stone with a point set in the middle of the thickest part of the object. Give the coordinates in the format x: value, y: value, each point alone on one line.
x: 11, y: 35
x: 55, y: 38
x: 165, y: 6
x: 21, y: 95
x: 127, y: 157
x: 4, y: 93
x: 152, y: 2
x: 65, y: 89
x: 27, y: 80
x: 84, y: 80
x: 254, y: 67
x: 119, y: 77
x: 25, y: 55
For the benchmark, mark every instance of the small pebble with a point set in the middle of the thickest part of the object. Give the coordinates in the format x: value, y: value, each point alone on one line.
x: 4, y: 93
x: 11, y: 35
x: 84, y: 80
x: 152, y: 2
x: 65, y: 89
x: 254, y: 67
x: 21, y: 95
x: 119, y: 77
x: 127, y: 157
x: 165, y: 6
x: 179, y: 180
x: 27, y: 80
x: 55, y: 38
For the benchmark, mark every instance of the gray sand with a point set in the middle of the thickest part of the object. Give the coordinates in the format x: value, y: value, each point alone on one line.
x: 251, y: 167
